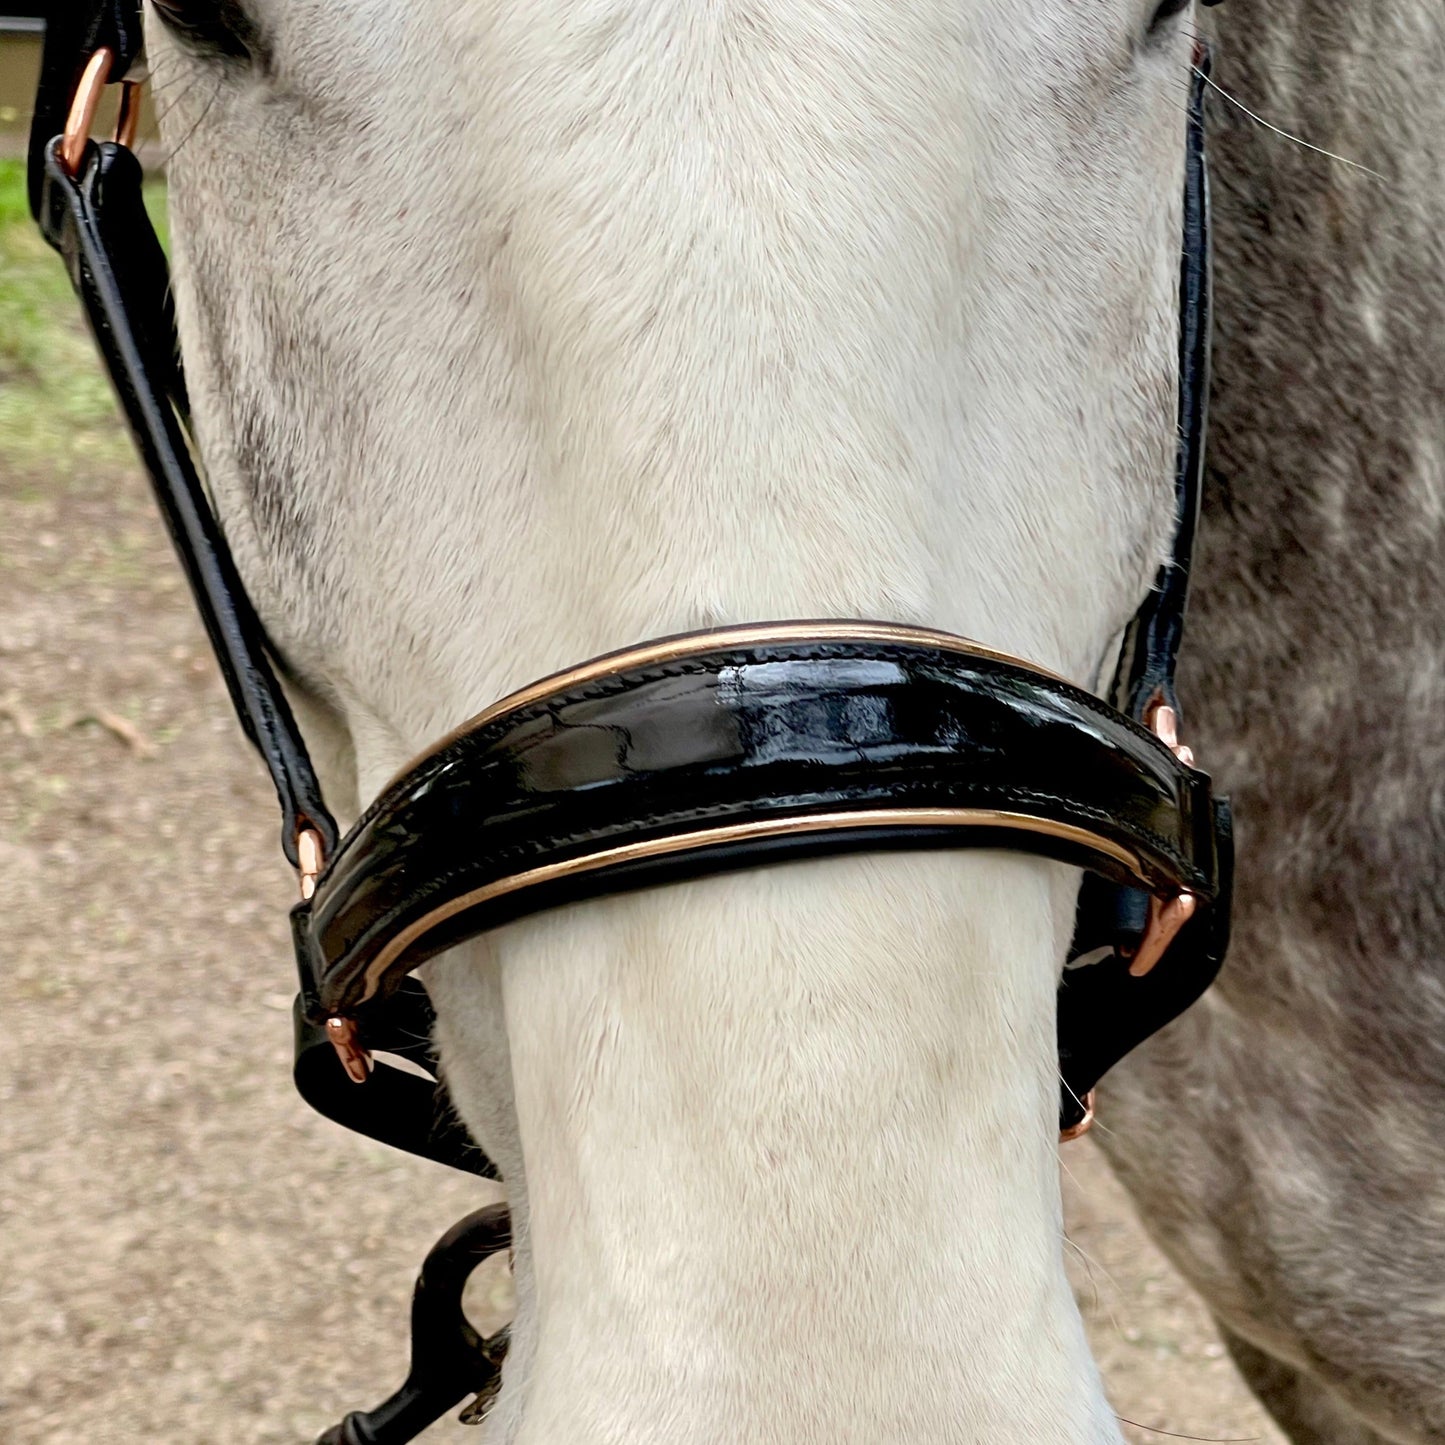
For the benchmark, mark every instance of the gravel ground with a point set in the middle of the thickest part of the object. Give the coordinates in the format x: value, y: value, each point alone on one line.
x: 186, y: 1253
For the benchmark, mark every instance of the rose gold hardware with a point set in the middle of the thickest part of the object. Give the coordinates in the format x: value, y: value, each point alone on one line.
x: 354, y: 1059
x: 83, y: 108
x: 1166, y: 915
x: 81, y: 120
x: 476, y: 1412
x: 308, y: 850
x: 127, y: 119
x: 1164, y: 722
x: 1077, y: 1131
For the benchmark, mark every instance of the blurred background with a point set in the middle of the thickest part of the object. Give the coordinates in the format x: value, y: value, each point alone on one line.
x: 186, y: 1252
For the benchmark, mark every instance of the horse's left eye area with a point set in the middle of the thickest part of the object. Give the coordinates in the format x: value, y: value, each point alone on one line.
x: 217, y: 27
x: 1166, y: 11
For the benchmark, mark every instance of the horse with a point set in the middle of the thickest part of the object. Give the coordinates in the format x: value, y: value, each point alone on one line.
x: 517, y: 332
x: 1282, y: 1140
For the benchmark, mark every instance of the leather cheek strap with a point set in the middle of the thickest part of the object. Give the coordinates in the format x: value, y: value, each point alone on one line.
x: 97, y: 222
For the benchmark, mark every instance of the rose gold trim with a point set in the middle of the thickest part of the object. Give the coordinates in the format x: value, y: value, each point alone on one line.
x: 81, y: 120
x: 1077, y: 1131
x: 670, y: 649
x: 740, y: 832
x: 310, y: 858
x: 127, y: 120
x: 1166, y: 915
x: 354, y: 1059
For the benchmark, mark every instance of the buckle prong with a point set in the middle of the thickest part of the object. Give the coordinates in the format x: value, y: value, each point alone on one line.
x: 354, y: 1059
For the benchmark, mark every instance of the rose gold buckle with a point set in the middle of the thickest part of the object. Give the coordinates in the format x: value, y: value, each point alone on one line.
x: 81, y: 120
x: 354, y: 1059
x: 1166, y: 915
x: 1077, y: 1131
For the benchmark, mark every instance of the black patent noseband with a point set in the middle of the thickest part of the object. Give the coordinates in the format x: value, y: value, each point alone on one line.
x: 676, y: 759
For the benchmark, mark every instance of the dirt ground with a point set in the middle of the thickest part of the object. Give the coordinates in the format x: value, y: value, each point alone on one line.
x: 186, y: 1253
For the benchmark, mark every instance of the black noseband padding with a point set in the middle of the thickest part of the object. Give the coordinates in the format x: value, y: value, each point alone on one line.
x: 821, y: 745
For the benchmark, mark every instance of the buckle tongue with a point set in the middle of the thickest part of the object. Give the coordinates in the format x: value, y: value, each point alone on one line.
x: 354, y: 1059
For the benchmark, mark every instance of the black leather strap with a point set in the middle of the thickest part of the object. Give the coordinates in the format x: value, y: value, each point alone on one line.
x: 394, y: 1105
x: 98, y: 223
x: 449, y: 1359
x: 1150, y: 655
x: 1106, y: 1013
x: 1110, y: 915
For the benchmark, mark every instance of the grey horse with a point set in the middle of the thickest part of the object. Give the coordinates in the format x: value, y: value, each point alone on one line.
x: 1283, y: 1140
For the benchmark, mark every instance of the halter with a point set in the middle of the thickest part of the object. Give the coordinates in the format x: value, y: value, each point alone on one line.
x: 675, y: 759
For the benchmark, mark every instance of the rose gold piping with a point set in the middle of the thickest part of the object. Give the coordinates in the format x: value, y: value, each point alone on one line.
x: 739, y: 832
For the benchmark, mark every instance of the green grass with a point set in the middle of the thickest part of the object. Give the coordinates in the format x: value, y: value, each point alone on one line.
x: 58, y: 418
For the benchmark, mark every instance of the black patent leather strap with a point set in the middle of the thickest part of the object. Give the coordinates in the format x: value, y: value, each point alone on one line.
x: 733, y: 756
x: 394, y: 1105
x: 1105, y: 1012
x: 1151, y: 647
x: 98, y: 223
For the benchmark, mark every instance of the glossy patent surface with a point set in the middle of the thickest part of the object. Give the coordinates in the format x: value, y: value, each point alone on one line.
x: 813, y: 746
